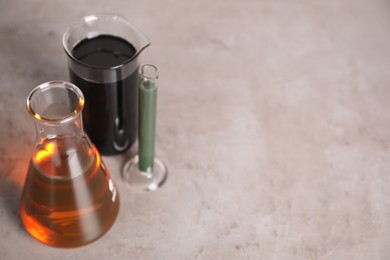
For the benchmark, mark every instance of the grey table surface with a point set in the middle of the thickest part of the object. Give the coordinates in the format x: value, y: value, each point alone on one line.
x: 273, y: 118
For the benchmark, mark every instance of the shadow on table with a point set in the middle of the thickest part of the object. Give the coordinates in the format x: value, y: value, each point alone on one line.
x: 15, y: 152
x: 10, y: 193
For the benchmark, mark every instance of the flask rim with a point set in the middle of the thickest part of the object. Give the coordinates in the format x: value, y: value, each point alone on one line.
x: 49, y: 86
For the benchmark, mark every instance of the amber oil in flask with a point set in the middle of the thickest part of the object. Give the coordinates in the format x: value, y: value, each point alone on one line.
x: 69, y: 198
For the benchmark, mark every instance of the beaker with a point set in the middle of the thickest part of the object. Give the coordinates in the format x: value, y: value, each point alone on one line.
x: 69, y: 198
x: 103, y: 51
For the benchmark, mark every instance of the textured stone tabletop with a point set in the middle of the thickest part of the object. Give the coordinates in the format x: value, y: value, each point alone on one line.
x: 273, y: 118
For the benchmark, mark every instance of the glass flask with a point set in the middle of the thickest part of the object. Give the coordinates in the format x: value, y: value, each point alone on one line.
x: 69, y: 198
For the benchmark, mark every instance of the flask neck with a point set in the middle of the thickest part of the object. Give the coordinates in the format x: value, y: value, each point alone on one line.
x: 56, y: 108
x: 73, y: 128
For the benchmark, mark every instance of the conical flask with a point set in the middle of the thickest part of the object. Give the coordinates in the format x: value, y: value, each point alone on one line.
x: 69, y: 198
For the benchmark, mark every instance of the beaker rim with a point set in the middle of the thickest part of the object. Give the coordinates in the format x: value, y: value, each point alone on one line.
x: 73, y: 110
x: 140, y: 44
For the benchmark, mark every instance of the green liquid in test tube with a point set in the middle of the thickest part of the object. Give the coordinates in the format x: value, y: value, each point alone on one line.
x: 147, y: 117
x: 145, y: 172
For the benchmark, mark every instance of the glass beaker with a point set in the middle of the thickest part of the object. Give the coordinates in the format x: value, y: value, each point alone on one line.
x: 69, y: 198
x: 103, y: 52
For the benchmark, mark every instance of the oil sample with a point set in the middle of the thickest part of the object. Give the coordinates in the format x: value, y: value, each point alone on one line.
x: 69, y: 198
x: 103, y: 51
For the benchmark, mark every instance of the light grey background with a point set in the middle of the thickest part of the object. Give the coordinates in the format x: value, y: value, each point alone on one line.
x: 273, y: 119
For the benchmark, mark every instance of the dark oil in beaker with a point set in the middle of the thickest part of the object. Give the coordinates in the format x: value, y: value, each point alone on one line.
x: 110, y: 112
x: 69, y: 199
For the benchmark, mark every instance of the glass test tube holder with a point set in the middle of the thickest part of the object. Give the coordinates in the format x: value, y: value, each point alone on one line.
x: 145, y: 172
